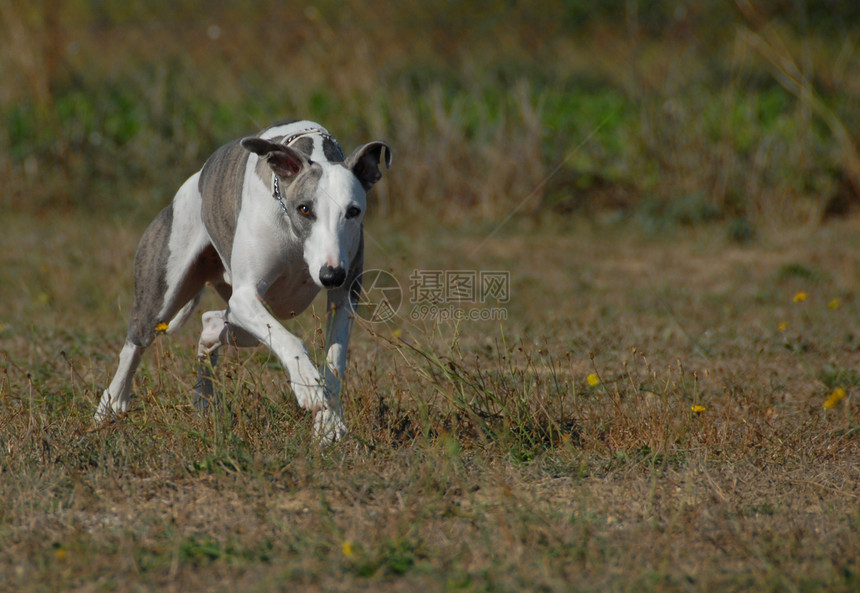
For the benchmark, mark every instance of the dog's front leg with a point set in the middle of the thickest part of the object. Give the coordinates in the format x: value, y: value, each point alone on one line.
x: 248, y: 311
x: 340, y: 318
x: 339, y: 325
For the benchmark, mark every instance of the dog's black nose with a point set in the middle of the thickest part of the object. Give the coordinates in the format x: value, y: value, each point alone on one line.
x: 332, y: 277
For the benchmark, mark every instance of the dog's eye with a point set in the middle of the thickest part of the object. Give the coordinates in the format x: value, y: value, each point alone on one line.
x: 304, y: 210
x: 353, y: 211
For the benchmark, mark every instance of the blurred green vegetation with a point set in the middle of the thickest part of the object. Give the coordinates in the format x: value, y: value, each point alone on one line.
x: 675, y: 113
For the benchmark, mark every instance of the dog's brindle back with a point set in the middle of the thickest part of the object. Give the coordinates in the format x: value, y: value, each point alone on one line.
x: 191, y: 243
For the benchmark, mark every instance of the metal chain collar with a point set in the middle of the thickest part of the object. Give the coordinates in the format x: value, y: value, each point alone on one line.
x: 313, y: 131
x: 276, y: 193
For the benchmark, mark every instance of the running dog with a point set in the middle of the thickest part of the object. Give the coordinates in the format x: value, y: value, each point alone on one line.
x: 269, y: 221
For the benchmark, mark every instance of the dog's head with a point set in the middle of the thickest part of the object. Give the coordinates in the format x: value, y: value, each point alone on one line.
x: 325, y: 201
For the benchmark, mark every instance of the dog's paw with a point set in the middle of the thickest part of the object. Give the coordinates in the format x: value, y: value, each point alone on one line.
x: 309, y: 395
x: 329, y: 426
x: 108, y: 408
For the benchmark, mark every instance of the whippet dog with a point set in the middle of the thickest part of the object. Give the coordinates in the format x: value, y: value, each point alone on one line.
x: 269, y: 221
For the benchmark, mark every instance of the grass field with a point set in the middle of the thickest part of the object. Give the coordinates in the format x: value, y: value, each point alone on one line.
x: 482, y: 455
x: 666, y: 402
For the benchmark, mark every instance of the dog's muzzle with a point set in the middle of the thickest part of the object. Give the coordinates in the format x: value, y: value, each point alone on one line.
x: 332, y: 277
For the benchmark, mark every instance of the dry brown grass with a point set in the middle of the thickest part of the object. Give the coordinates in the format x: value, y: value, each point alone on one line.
x: 479, y: 458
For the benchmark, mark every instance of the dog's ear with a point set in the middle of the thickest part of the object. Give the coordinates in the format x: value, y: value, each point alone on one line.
x: 283, y: 160
x: 364, y: 162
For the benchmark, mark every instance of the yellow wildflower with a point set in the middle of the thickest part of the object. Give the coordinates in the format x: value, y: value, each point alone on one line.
x: 592, y: 379
x: 347, y: 548
x: 834, y: 304
x: 782, y: 326
x: 161, y: 327
x: 800, y: 297
x: 834, y: 398
x: 697, y: 409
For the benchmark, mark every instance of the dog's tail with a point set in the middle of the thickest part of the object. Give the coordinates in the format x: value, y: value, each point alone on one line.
x: 183, y: 314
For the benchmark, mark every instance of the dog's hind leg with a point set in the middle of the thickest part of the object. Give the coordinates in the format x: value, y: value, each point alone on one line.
x: 173, y: 263
x: 216, y: 333
x: 184, y: 314
x: 207, y: 358
x: 150, y: 288
x: 116, y: 397
x: 204, y: 390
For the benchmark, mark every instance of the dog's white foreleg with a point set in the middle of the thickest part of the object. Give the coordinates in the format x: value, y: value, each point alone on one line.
x: 248, y: 312
x: 340, y: 318
x: 116, y: 397
x: 339, y: 325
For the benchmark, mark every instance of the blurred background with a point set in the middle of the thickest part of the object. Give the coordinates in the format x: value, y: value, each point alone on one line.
x: 667, y: 113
